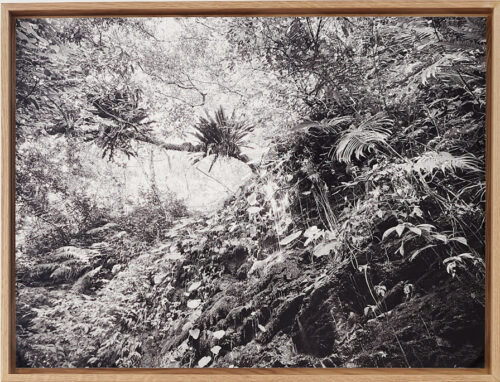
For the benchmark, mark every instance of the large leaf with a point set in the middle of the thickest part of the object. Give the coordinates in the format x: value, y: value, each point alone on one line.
x: 219, y: 334
x: 324, y: 249
x: 193, y: 304
x: 204, y: 361
x: 294, y: 236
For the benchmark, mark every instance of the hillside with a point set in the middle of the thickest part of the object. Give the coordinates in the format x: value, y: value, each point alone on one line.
x: 223, y: 287
x: 259, y: 192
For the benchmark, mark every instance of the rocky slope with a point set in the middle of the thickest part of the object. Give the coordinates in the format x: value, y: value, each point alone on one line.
x: 225, y: 291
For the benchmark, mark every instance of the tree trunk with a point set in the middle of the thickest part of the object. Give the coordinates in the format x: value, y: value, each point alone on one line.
x: 188, y: 147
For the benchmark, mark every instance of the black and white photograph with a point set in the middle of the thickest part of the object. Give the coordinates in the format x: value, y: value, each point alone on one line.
x: 250, y: 192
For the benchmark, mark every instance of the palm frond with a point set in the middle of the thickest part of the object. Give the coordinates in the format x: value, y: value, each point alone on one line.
x: 365, y: 137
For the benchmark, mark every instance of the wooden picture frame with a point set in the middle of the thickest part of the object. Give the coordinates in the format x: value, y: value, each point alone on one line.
x: 489, y: 9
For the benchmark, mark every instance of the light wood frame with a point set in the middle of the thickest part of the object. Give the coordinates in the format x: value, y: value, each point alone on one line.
x: 489, y: 9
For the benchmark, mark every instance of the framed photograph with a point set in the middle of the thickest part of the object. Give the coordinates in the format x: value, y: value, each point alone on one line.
x: 264, y: 191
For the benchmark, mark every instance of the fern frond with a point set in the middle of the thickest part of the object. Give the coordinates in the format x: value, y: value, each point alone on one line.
x: 69, y: 270
x: 431, y: 161
x: 221, y: 136
x: 438, y: 66
x: 365, y: 137
x: 62, y: 273
x: 42, y: 271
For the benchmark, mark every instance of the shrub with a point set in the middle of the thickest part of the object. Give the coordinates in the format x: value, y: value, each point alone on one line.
x: 154, y: 215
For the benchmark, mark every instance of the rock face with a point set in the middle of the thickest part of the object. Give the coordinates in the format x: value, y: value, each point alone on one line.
x: 281, y: 311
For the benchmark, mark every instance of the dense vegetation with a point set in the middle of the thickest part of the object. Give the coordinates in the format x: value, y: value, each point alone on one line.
x: 358, y: 241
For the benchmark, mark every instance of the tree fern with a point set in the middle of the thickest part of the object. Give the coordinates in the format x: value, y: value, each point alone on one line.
x: 356, y: 141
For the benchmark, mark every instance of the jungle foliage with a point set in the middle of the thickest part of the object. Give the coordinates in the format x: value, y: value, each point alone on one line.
x: 366, y: 211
